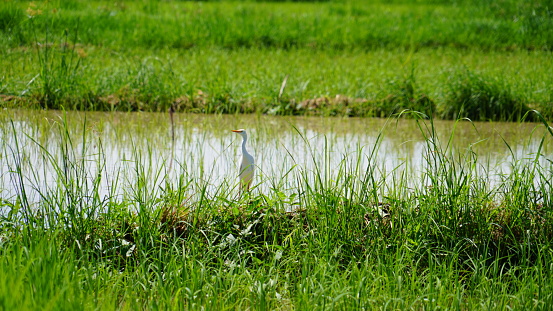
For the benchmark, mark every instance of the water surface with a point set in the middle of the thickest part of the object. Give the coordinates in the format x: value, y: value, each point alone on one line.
x: 122, y: 146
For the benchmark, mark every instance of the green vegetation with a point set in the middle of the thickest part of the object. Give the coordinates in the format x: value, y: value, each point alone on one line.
x: 355, y: 239
x: 353, y: 58
x: 479, y: 98
x: 170, y: 235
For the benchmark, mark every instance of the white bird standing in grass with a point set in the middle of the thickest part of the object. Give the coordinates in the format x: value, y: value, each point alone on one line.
x: 247, y: 167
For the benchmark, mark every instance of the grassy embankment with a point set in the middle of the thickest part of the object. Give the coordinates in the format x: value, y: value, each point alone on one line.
x: 449, y: 239
x: 490, y: 61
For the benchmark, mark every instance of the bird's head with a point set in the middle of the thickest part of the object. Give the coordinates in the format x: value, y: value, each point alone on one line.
x: 242, y: 132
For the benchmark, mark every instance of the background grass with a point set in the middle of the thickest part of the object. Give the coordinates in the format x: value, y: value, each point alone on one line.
x: 329, y: 25
x: 349, y: 58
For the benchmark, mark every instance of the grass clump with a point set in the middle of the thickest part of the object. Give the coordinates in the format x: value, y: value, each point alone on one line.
x: 404, y: 95
x: 481, y: 98
x: 399, y: 95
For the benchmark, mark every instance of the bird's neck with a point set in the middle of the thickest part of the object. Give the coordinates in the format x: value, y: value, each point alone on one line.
x: 244, y: 151
x: 244, y: 144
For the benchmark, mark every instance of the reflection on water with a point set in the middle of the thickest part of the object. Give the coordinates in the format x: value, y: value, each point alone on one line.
x: 121, y: 145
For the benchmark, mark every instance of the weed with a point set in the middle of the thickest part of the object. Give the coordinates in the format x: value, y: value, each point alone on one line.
x: 477, y: 97
x: 59, y: 68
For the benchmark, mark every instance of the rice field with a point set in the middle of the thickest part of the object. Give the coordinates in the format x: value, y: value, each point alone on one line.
x: 358, y: 58
x: 386, y: 176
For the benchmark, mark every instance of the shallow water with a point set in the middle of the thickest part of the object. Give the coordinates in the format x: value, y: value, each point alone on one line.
x: 120, y: 146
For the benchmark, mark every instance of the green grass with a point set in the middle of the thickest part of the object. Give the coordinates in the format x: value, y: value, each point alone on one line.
x: 239, y: 24
x: 175, y: 235
x: 354, y: 58
x: 479, y: 98
x: 449, y: 239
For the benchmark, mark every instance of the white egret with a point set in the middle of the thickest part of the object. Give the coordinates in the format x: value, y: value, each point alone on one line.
x: 247, y: 167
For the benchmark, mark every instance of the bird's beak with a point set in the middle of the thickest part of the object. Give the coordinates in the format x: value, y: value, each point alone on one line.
x: 237, y: 131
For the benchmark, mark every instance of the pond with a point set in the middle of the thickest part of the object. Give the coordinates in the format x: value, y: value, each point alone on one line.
x: 52, y: 149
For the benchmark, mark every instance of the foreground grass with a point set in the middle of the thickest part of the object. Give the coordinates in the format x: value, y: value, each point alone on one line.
x: 340, y: 238
x: 355, y: 58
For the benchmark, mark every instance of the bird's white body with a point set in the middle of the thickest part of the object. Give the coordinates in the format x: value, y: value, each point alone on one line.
x: 247, y: 166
